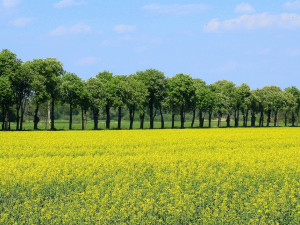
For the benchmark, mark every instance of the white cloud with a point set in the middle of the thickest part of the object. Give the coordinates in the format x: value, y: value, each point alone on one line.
x: 122, y: 28
x: 10, y: 3
x: 175, y: 9
x: 79, y: 28
x: 66, y: 3
x: 295, y: 5
x: 90, y: 60
x: 21, y: 22
x: 244, y: 8
x: 255, y: 21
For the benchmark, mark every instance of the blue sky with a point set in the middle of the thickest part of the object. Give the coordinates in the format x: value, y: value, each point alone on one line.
x: 253, y: 42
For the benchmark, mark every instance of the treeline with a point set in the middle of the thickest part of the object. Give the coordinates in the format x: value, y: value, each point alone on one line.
x: 144, y: 94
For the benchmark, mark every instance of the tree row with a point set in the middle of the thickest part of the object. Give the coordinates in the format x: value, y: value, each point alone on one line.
x: 144, y: 94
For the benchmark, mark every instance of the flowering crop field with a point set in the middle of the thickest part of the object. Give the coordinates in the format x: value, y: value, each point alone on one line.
x: 193, y: 176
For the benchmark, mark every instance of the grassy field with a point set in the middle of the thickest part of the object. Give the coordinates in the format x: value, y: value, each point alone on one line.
x: 64, y: 125
x: 192, y: 176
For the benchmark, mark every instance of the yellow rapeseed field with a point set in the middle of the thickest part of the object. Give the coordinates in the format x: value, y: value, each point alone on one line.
x: 207, y: 176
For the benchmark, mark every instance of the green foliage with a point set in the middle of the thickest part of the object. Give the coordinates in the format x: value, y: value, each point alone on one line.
x: 6, y: 93
x: 181, y: 91
x: 95, y: 88
x: 155, y: 83
x: 296, y: 93
x: 9, y: 63
x: 51, y: 70
x: 108, y: 90
x: 71, y: 89
x: 135, y: 93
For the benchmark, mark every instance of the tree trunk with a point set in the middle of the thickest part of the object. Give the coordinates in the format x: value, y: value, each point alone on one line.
x: 275, y: 118
x: 83, y: 119
x: 96, y: 117
x: 261, y: 119
x: 246, y: 119
x: 82, y: 123
x: 228, y: 120
x: 253, y: 119
x: 293, y: 119
x: 219, y: 119
x: 52, y: 114
x: 131, y: 116
x: 142, y: 118
x: 119, y: 117
x: 162, y: 119
x: 201, y: 119
x: 71, y: 117
x: 297, y: 124
x: 18, y: 117
x: 269, y: 118
x: 22, y: 115
x: 236, y: 119
x: 5, y: 118
x: 151, y: 116
x: 285, y: 118
x: 173, y: 120
x: 107, y: 109
x: 48, y: 124
x: 209, y: 119
x: 182, y: 116
x: 193, y: 119
x: 36, y: 118
x: 3, y: 110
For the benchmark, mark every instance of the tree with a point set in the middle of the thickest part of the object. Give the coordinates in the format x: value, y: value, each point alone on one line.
x: 271, y: 100
x: 154, y: 81
x: 39, y: 96
x: 71, y: 91
x: 96, y: 90
x: 118, y: 84
x: 240, y: 94
x: 182, y: 91
x: 106, y: 78
x: 84, y: 102
x: 6, y: 99
x: 224, y: 94
x: 10, y: 67
x: 289, y: 105
x: 38, y: 85
x: 170, y: 101
x: 295, y: 113
x: 52, y: 70
x: 21, y: 84
x: 253, y: 105
x: 196, y: 100
x: 135, y: 95
x: 210, y: 99
x: 259, y: 104
x: 224, y: 99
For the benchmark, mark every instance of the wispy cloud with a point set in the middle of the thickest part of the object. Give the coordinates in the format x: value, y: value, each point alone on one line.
x: 175, y: 9
x: 295, y: 5
x: 21, y: 22
x: 122, y: 28
x: 66, y: 3
x: 244, y: 8
x: 10, y: 3
x: 79, y: 28
x: 255, y: 21
x: 89, y: 60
